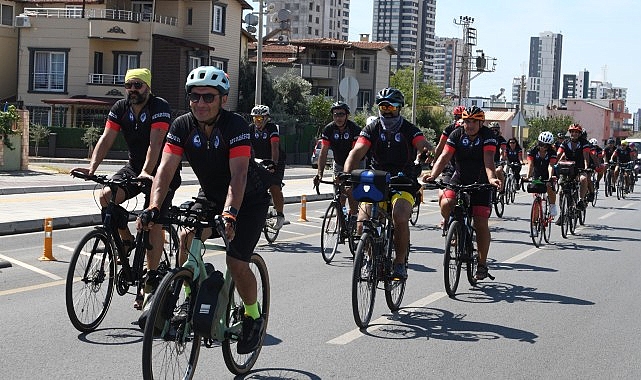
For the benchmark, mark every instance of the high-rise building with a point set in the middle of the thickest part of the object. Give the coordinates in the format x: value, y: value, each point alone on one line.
x: 446, y: 73
x: 544, y: 68
x: 569, y: 86
x: 410, y: 27
x: 313, y: 19
x: 583, y: 84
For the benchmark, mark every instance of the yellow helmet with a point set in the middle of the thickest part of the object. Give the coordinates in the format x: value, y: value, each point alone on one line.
x: 624, y: 142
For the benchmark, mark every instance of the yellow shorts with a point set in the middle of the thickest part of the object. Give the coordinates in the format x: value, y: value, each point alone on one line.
x: 395, y: 197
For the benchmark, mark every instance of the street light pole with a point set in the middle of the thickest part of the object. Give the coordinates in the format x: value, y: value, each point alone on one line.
x: 417, y: 63
x: 259, y: 56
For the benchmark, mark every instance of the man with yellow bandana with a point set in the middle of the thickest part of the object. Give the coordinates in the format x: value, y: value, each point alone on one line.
x: 392, y: 143
x: 143, y: 119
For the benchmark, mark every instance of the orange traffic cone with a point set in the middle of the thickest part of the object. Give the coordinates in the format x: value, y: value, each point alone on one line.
x: 47, y: 254
x: 303, y: 208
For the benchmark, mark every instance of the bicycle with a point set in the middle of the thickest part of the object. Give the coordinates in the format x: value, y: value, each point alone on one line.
x: 595, y: 184
x: 498, y: 200
x: 375, y: 251
x: 93, y: 269
x: 171, y: 346
x: 337, y: 225
x: 460, y: 239
x: 511, y: 184
x: 416, y: 208
x: 625, y: 183
x: 540, y: 218
x: 569, y: 214
x: 608, y: 181
x: 269, y: 231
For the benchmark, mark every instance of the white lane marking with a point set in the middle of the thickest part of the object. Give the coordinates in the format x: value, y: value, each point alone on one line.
x: 380, y: 322
x: 521, y: 256
x: 607, y: 215
x: 31, y: 267
x: 66, y: 248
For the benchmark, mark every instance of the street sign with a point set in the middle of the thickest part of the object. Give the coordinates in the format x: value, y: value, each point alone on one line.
x: 348, y: 87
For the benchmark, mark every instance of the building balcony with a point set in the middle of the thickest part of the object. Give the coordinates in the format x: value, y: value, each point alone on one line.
x: 105, y: 86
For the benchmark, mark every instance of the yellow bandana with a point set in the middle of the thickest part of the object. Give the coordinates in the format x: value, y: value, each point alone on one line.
x: 142, y: 74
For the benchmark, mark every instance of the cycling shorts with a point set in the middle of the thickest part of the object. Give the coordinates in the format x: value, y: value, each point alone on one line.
x: 132, y: 190
x: 480, y: 201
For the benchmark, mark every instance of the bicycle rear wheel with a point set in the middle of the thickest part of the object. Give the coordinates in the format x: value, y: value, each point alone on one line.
x: 472, y: 261
x: 452, y: 259
x: 536, y: 222
x: 170, y: 349
x: 564, y: 216
x: 499, y: 203
x: 508, y: 189
x: 620, y: 186
x: 547, y: 222
x: 415, y: 211
x: 90, y: 281
x: 240, y: 364
x: 395, y: 289
x: 330, y: 230
x: 364, y: 281
x: 269, y: 231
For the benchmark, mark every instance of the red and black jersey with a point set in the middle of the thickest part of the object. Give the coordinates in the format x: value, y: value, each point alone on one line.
x: 340, y: 142
x: 470, y: 165
x: 574, y: 151
x: 540, y: 162
x: 622, y: 155
x: 261, y: 140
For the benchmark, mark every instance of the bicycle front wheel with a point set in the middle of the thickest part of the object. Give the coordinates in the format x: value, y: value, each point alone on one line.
x: 270, y: 232
x: 452, y: 259
x: 564, y: 216
x: 499, y: 203
x: 364, y: 281
x: 415, y: 211
x: 536, y: 222
x: 240, y: 364
x: 395, y: 289
x: 170, y: 349
x: 90, y: 281
x: 330, y: 230
x: 620, y: 186
x: 508, y: 189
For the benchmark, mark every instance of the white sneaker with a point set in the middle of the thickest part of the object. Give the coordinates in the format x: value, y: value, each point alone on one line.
x: 280, y: 220
x: 553, y: 210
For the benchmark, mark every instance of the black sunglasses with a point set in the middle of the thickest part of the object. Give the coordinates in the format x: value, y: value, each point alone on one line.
x: 136, y: 85
x: 207, y: 98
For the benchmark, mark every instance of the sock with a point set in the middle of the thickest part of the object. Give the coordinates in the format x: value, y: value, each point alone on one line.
x: 252, y: 311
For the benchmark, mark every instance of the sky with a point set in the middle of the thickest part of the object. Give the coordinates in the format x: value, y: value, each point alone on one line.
x: 600, y: 36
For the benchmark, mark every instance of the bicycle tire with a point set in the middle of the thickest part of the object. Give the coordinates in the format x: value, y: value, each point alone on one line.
x: 240, y: 364
x: 395, y: 289
x: 91, y: 294
x: 547, y: 222
x: 607, y: 183
x: 270, y: 232
x: 536, y: 217
x: 451, y: 259
x: 169, y: 347
x: 353, y: 237
x: 363, y: 287
x: 499, y: 203
x: 513, y: 189
x: 563, y: 215
x: 472, y: 263
x: 620, y: 185
x: 573, y: 213
x: 508, y: 189
x: 415, y: 211
x: 330, y: 233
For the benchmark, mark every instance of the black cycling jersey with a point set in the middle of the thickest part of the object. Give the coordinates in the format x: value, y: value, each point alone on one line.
x: 209, y: 158
x: 340, y: 142
x: 392, y: 152
x: 541, y: 162
x: 261, y: 140
x: 513, y: 154
x: 449, y: 168
x: 574, y: 151
x: 622, y: 155
x: 607, y: 153
x: 470, y: 166
x: 501, y: 144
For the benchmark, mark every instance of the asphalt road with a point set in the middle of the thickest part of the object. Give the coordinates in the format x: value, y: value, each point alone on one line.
x: 568, y: 310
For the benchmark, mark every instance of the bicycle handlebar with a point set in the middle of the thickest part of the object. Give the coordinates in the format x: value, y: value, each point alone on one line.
x: 471, y: 187
x: 104, y: 180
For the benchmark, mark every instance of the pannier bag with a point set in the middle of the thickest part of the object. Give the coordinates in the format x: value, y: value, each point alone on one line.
x: 566, y: 168
x: 204, y: 319
x: 370, y: 185
x: 537, y: 187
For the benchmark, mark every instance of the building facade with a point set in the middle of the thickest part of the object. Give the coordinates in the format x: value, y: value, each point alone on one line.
x: 446, y: 73
x: 544, y: 73
x: 410, y: 27
x: 312, y: 19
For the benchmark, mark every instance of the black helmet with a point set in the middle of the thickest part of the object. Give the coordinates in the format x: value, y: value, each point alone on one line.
x: 390, y: 95
x: 610, y: 140
x: 340, y: 105
x: 560, y: 135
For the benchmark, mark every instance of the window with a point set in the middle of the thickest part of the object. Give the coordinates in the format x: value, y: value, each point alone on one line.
x: 218, y: 19
x: 218, y: 64
x: 123, y: 62
x: 74, y: 11
x: 194, y: 62
x: 6, y: 15
x: 144, y: 9
x: 49, y: 70
x: 364, y: 64
x: 190, y: 16
x: 39, y: 115
x: 364, y: 99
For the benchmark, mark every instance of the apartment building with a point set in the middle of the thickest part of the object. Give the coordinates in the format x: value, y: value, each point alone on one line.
x: 544, y: 73
x: 312, y: 19
x: 72, y: 56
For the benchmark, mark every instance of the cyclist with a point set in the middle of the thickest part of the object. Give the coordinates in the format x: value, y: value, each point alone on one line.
x: 622, y: 155
x: 560, y: 137
x: 340, y: 135
x: 143, y: 119
x: 541, y: 160
x: 473, y: 147
x: 514, y: 155
x: 392, y: 144
x: 499, y: 155
x: 265, y: 141
x: 217, y: 144
x: 446, y: 175
x: 577, y: 149
x: 596, y: 160
x: 609, y: 148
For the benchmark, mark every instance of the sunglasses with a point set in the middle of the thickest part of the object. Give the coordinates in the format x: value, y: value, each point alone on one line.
x: 542, y: 145
x: 258, y: 118
x: 136, y: 85
x: 512, y: 142
x: 341, y: 114
x: 387, y: 107
x: 207, y: 98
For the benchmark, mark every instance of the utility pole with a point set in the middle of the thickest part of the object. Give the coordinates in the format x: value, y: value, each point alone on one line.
x: 259, y: 56
x: 469, y: 40
x: 418, y: 65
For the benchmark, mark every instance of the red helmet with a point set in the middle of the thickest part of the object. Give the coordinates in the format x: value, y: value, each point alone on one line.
x: 458, y: 110
x: 575, y: 127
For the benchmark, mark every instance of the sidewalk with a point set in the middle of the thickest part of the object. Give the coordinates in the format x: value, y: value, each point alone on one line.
x: 46, y: 190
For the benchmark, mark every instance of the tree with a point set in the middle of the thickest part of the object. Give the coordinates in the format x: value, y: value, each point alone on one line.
x: 427, y: 94
x: 247, y: 87
x: 37, y: 133
x: 292, y: 92
x: 319, y: 108
x: 91, y: 137
x: 8, y: 118
x: 536, y: 125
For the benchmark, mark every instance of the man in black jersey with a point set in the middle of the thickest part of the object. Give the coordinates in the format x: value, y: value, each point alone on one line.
x: 143, y: 119
x: 577, y: 149
x: 217, y: 144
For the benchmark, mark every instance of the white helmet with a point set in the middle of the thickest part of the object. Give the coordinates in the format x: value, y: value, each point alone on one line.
x: 208, y: 76
x: 594, y: 141
x: 260, y: 110
x: 370, y: 120
x: 546, y: 137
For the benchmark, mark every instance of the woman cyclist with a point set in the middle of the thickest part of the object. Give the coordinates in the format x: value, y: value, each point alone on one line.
x: 541, y: 160
x: 514, y: 154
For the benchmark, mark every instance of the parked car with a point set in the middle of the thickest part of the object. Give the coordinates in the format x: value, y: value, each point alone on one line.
x: 316, y: 153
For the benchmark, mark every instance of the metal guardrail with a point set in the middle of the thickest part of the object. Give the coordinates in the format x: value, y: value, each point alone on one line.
x: 110, y: 14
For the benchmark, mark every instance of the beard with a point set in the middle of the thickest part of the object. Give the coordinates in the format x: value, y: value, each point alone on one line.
x: 136, y: 97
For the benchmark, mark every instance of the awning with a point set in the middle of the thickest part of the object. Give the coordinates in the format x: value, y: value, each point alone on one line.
x: 84, y: 101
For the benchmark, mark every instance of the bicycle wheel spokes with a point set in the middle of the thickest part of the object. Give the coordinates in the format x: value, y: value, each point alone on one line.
x: 330, y: 230
x: 90, y: 281
x: 170, y: 349
x: 363, y: 281
x: 269, y: 231
x: 451, y: 259
x: 499, y: 203
x: 395, y: 289
x: 535, y: 222
x: 240, y: 364
x: 508, y: 189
